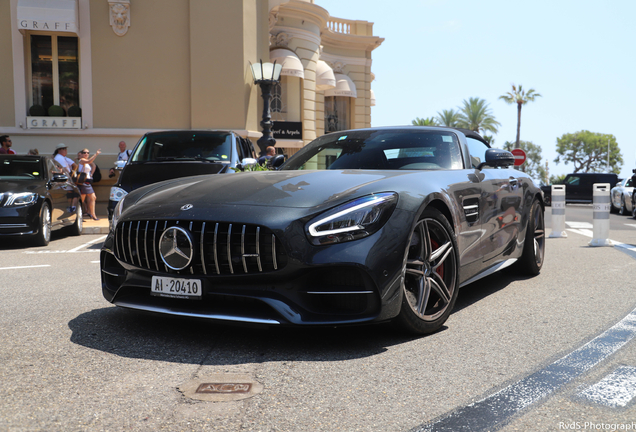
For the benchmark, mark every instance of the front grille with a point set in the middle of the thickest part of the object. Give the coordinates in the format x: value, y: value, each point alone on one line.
x: 220, y: 248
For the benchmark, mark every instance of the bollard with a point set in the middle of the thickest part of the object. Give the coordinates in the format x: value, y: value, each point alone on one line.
x: 558, y: 212
x: 601, y: 205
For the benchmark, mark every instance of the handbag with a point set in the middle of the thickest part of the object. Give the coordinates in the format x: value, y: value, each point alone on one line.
x: 79, y: 178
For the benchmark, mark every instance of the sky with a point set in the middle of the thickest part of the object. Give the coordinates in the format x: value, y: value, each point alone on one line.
x: 579, y: 55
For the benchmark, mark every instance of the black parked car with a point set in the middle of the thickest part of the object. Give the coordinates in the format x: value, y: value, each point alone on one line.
x: 358, y: 226
x: 35, y: 198
x: 579, y: 186
x: 166, y: 155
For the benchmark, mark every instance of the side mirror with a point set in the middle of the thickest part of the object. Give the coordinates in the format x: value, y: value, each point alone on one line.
x: 497, y: 158
x: 245, y: 163
x: 59, y: 178
x: 277, y: 161
x: 120, y: 164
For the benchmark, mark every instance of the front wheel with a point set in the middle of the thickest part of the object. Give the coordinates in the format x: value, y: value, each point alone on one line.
x: 430, y: 275
x: 76, y: 228
x: 43, y: 237
x: 533, y: 254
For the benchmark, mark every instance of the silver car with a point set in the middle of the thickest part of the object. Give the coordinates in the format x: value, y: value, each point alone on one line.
x: 622, y: 197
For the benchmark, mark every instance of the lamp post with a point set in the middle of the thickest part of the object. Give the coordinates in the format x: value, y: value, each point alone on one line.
x: 266, y: 75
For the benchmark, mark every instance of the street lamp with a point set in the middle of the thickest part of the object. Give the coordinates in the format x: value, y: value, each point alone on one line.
x: 266, y: 75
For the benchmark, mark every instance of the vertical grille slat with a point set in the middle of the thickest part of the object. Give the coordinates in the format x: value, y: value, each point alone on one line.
x: 219, y: 248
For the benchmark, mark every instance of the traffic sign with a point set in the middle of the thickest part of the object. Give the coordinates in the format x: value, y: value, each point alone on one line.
x: 520, y: 156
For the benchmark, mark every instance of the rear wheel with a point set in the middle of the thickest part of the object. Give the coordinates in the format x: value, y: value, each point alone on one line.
x: 76, y: 228
x: 43, y: 237
x: 430, y: 275
x: 531, y: 260
x: 623, y: 210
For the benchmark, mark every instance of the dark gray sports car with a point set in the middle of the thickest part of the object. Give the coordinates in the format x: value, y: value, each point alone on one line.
x: 359, y: 226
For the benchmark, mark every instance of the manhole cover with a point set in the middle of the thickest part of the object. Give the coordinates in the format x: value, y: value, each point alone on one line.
x: 221, y: 387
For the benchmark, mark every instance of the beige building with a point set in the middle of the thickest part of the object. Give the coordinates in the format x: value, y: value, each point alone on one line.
x: 115, y: 69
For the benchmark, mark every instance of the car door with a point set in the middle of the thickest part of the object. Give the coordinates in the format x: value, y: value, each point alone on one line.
x: 501, y: 207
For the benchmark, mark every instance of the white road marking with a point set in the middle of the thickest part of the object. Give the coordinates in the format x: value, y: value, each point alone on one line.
x: 88, y: 244
x: 579, y: 225
x: 24, y: 267
x: 94, y: 262
x: 631, y: 225
x: 615, y: 390
x: 60, y: 251
x: 585, y: 232
x: 74, y: 250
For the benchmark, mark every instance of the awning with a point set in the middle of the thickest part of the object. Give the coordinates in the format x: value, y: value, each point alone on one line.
x: 292, y: 66
x: 372, y: 98
x: 325, y: 78
x: 48, y: 15
x: 344, y: 87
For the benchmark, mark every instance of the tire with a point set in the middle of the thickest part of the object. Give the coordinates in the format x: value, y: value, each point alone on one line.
x: 633, y: 209
x: 547, y: 200
x: 43, y: 237
x: 430, y: 275
x: 76, y: 228
x: 622, y: 211
x: 533, y: 254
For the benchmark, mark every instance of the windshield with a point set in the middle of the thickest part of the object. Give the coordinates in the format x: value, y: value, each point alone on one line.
x: 16, y: 168
x: 194, y: 145
x: 380, y: 149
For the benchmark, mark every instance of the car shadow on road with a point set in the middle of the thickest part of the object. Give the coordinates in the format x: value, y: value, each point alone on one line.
x: 150, y: 336
x: 143, y: 335
x: 19, y: 242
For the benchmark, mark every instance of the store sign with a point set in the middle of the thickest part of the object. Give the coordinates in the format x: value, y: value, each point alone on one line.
x: 287, y: 130
x: 48, y: 25
x: 54, y: 122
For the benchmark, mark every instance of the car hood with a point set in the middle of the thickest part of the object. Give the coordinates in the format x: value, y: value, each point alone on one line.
x: 314, y: 190
x: 17, y: 186
x: 136, y: 175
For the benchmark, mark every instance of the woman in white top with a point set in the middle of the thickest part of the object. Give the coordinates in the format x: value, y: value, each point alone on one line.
x: 86, y: 165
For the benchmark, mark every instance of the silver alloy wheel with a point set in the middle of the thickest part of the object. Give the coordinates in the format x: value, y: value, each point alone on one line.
x: 623, y: 210
x: 46, y: 223
x: 431, y: 269
x: 79, y: 222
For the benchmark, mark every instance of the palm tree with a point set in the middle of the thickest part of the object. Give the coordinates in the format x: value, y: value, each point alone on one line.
x: 520, y: 97
x: 476, y: 116
x: 424, y: 121
x: 448, y: 118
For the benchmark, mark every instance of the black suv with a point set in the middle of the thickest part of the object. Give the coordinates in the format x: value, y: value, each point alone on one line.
x: 579, y: 186
x: 167, y: 155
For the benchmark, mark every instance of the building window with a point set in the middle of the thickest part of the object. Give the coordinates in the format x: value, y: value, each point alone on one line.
x: 54, y: 71
x: 277, y: 98
x: 337, y: 115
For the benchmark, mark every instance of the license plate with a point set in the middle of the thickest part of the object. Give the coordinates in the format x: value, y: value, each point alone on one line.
x: 176, y: 287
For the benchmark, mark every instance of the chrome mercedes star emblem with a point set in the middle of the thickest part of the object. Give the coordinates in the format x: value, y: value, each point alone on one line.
x: 187, y: 207
x: 175, y: 248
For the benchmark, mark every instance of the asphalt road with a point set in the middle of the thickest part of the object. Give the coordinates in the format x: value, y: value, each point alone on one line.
x: 554, y: 352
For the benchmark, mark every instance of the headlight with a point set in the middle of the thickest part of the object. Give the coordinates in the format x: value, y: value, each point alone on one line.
x: 19, y: 199
x: 352, y: 221
x: 116, y: 213
x: 117, y: 194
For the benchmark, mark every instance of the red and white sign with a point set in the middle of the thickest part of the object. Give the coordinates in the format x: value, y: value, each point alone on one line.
x: 520, y: 156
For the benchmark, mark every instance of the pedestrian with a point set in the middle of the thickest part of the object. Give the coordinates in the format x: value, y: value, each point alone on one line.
x: 5, y: 145
x: 270, y: 152
x: 68, y: 166
x: 85, y: 164
x: 123, y: 155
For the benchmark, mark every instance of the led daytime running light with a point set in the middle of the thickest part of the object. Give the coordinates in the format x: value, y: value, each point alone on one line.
x: 316, y: 233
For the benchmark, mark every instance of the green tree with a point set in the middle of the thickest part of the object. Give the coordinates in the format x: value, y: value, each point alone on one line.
x: 476, y: 116
x: 532, y: 166
x: 431, y: 121
x: 520, y: 97
x: 557, y: 179
x: 448, y: 118
x: 587, y: 151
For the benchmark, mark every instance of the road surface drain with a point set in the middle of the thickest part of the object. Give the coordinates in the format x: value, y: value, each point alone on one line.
x: 221, y: 387
x: 224, y: 388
